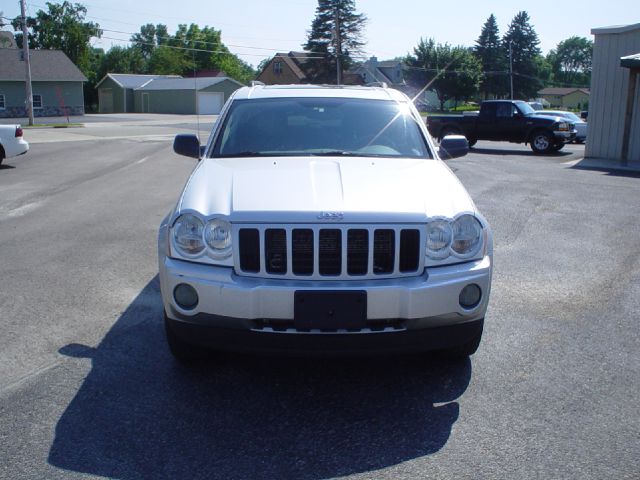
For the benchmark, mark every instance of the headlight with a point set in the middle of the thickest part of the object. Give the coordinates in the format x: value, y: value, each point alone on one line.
x: 187, y: 235
x: 563, y: 127
x: 467, y: 235
x: 217, y: 234
x: 439, y: 237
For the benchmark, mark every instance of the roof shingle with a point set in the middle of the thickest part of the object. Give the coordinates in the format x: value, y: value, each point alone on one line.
x: 46, y: 65
x: 183, y: 83
x: 562, y: 90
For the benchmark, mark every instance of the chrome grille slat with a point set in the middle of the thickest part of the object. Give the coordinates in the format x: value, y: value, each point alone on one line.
x: 333, y: 252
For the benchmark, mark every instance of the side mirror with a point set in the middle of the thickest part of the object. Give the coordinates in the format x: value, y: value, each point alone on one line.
x: 453, y: 146
x: 187, y: 145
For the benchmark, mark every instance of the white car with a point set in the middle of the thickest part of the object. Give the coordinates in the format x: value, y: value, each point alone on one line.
x: 581, y: 125
x: 322, y: 220
x: 12, y: 143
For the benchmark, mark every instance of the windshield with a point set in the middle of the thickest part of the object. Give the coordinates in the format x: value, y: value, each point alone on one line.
x: 525, y: 108
x: 320, y: 126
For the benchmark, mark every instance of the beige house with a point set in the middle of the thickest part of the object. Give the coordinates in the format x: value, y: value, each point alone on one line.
x: 567, y: 98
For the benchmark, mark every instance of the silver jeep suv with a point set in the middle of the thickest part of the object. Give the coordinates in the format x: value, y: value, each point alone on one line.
x: 322, y: 220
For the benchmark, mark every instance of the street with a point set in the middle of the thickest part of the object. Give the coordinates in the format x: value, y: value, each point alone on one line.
x: 89, y: 389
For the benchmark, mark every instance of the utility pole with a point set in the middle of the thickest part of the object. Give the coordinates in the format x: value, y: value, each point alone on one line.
x: 338, y: 49
x: 511, y: 66
x: 27, y: 65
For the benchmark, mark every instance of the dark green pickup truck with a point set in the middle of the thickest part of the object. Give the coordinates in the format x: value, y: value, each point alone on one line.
x: 506, y: 120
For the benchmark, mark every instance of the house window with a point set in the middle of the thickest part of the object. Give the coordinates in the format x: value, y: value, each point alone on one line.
x: 37, y: 101
x: 277, y: 68
x: 2, y: 107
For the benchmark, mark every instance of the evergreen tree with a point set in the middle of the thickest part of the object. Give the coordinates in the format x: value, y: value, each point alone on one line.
x: 525, y: 49
x: 490, y: 51
x: 336, y: 34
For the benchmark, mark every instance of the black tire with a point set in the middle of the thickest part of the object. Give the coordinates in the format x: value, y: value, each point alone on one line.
x: 541, y: 142
x: 184, y: 352
x: 462, y: 351
x: 557, y: 148
x: 1, y: 154
x: 472, y: 141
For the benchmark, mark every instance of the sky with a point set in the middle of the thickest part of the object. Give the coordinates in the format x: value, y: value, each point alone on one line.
x: 256, y: 29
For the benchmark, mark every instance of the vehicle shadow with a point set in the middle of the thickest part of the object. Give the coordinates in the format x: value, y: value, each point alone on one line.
x: 522, y: 152
x: 4, y: 166
x: 138, y: 414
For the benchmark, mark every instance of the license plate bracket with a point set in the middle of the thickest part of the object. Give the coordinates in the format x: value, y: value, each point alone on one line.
x: 330, y: 309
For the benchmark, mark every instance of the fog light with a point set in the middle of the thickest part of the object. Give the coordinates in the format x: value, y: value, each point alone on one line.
x: 470, y: 296
x: 186, y: 296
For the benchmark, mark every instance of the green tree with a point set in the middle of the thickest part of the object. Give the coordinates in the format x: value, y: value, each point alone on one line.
x: 189, y: 48
x: 337, y: 34
x: 263, y: 63
x: 122, y: 60
x: 571, y: 61
x: 452, y: 72
x: 61, y: 27
x: 525, y: 49
x: 544, y: 71
x: 490, y: 51
x: 145, y: 41
x: 165, y: 60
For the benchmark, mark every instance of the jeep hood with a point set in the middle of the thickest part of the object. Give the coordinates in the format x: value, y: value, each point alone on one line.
x: 309, y: 189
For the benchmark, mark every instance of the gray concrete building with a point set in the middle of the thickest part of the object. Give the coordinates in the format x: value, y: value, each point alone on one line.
x: 614, y: 107
x: 204, y: 95
x: 115, y: 91
x: 125, y: 93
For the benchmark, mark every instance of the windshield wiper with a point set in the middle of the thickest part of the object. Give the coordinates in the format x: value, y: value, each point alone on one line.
x: 335, y: 153
x: 246, y: 153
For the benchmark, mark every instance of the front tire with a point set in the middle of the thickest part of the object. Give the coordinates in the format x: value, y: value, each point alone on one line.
x: 184, y: 352
x: 557, y: 148
x: 541, y: 142
x: 472, y: 141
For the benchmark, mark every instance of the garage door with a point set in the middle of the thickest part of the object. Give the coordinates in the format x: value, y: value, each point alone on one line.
x: 105, y: 99
x: 210, y: 103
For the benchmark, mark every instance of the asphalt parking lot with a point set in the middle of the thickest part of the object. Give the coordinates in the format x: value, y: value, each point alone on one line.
x: 88, y: 388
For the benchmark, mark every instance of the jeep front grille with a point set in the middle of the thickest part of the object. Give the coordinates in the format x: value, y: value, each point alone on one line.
x: 339, y: 252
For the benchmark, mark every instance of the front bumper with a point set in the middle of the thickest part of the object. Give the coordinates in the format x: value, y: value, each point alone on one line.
x: 402, y: 314
x: 565, y: 137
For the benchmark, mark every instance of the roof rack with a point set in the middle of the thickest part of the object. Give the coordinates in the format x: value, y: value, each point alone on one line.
x: 377, y: 84
x: 255, y: 83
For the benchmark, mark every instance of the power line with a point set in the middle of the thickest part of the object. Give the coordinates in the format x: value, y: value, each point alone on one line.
x: 139, y: 42
x: 169, y: 38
